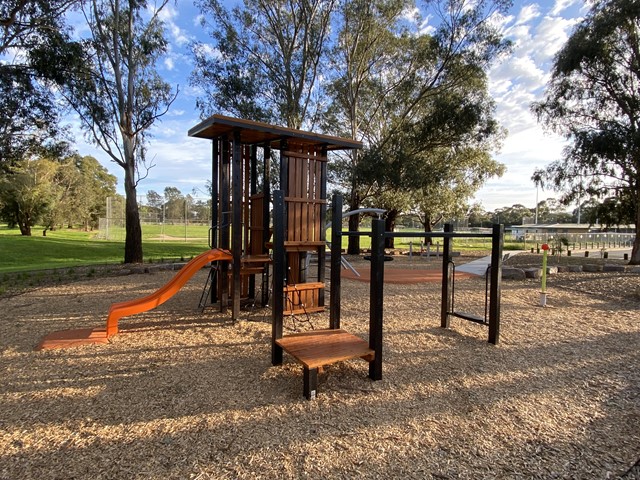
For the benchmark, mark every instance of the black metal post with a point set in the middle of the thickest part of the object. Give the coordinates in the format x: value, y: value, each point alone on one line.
x: 497, y: 242
x: 224, y: 222
x: 236, y: 232
x: 445, y: 301
x: 279, y: 268
x: 336, y: 253
x: 310, y: 383
x: 215, y: 152
x: 376, y: 297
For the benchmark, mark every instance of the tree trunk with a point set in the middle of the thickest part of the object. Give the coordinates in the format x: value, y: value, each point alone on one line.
x: 427, y: 229
x: 353, y: 247
x: 25, y: 228
x: 635, y: 251
x: 390, y: 226
x: 133, y: 239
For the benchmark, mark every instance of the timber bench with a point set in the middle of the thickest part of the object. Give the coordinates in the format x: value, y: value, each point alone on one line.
x: 318, y: 348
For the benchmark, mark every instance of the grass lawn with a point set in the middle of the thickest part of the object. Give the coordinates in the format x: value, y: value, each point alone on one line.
x: 68, y: 248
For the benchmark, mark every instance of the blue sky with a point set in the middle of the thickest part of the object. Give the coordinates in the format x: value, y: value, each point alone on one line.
x: 537, y: 30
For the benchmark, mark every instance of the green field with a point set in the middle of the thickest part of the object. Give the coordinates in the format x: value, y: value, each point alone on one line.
x: 70, y: 248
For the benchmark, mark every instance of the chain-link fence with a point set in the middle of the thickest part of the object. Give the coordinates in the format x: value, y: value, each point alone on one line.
x: 184, y: 219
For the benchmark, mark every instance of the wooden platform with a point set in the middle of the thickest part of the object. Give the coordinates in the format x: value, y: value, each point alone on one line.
x: 323, y: 347
x: 318, y: 348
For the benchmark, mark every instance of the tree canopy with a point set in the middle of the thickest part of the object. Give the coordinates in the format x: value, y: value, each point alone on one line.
x: 30, y: 120
x: 428, y: 123
x: 53, y: 192
x: 267, y: 60
x: 593, y: 100
x: 118, y: 93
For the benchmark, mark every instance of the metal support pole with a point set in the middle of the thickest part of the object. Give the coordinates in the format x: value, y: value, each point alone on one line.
x: 497, y: 241
x: 215, y: 152
x: 279, y: 259
x: 224, y: 222
x: 445, y: 301
x: 336, y: 253
x: 376, y: 297
x: 236, y: 232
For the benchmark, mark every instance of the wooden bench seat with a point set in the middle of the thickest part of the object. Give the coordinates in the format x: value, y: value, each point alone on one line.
x: 318, y: 348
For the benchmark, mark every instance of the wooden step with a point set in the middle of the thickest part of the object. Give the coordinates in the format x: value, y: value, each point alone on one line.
x: 317, y: 348
x: 299, y: 287
x: 302, y: 311
x: 255, y: 259
x: 251, y: 270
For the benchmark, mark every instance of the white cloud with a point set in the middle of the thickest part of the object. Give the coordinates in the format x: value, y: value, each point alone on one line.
x: 550, y: 36
x: 178, y: 35
x: 528, y: 13
x: 562, y: 5
x: 410, y: 15
x: 515, y: 84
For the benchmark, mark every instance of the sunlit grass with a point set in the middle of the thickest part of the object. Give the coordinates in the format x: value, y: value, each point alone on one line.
x: 69, y: 247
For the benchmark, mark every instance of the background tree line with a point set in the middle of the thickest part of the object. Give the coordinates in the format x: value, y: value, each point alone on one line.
x: 55, y: 192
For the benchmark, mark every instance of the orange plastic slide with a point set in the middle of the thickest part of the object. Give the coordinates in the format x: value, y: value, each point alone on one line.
x: 124, y: 309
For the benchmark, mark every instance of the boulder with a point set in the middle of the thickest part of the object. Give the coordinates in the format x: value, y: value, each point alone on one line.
x: 613, y: 268
x: 552, y: 270
x: 509, y: 273
x: 592, y: 268
x: 532, y: 273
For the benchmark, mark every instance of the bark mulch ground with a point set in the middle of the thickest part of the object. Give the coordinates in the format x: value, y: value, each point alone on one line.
x: 184, y: 394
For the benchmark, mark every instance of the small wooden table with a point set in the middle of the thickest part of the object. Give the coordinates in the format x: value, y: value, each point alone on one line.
x: 317, y: 348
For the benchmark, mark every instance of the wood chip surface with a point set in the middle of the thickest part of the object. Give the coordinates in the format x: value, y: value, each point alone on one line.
x: 181, y: 394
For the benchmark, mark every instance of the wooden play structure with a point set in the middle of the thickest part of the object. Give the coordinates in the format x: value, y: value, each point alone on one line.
x: 241, y: 223
x: 264, y: 238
